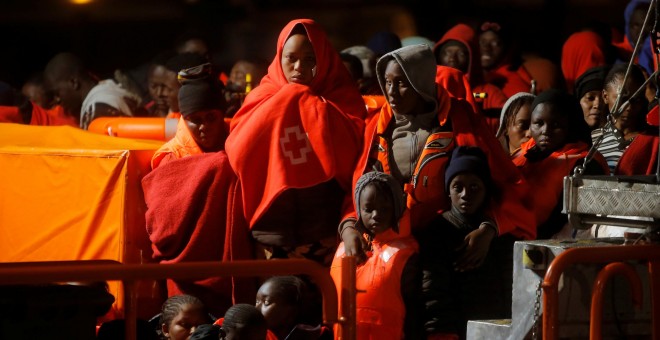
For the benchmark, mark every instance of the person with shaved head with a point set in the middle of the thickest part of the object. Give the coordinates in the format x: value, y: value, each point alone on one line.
x: 80, y: 93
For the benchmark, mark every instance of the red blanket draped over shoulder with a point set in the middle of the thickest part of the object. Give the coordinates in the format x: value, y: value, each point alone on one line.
x: 296, y: 136
x: 547, y: 176
x: 191, y: 217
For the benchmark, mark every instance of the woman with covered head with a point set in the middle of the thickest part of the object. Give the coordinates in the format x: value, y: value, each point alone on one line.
x: 458, y: 49
x: 560, y: 141
x: 294, y: 145
x: 412, y: 138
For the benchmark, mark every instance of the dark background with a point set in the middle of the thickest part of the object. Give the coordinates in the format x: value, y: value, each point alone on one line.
x: 111, y: 34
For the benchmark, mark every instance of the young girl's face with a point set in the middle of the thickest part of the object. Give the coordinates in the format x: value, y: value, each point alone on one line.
x: 518, y: 131
x: 548, y: 128
x: 298, y: 60
x: 376, y: 209
x: 467, y: 193
x: 274, y: 307
x: 184, y: 323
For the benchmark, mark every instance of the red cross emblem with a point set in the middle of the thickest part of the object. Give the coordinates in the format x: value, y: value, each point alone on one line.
x: 295, y: 145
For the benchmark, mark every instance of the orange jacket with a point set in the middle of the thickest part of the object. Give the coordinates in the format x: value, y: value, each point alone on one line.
x: 426, y: 190
x: 182, y: 145
x: 380, y: 309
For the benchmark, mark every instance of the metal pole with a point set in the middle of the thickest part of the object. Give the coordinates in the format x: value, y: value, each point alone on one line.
x: 348, y: 299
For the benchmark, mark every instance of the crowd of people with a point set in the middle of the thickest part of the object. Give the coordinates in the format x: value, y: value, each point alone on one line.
x: 424, y: 160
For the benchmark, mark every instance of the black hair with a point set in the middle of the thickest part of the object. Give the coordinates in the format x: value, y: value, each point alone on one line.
x: 190, y: 34
x: 161, y: 58
x: 183, y: 61
x: 355, y: 64
x: 173, y: 305
x: 291, y: 288
x: 243, y: 315
x: 618, y: 71
x: 299, y: 29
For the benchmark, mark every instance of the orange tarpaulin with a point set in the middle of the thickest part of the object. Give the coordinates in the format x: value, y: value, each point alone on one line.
x: 68, y: 194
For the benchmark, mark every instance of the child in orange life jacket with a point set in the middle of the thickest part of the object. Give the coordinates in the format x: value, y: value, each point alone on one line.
x: 454, y: 247
x: 389, y: 306
x: 285, y: 303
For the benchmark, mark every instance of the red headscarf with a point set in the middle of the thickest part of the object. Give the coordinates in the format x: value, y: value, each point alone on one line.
x: 456, y: 84
x: 581, y: 51
x: 296, y: 136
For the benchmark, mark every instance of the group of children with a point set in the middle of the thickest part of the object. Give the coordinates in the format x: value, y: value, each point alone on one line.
x: 282, y: 311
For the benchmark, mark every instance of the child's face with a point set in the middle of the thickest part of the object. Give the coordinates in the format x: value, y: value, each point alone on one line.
x: 548, y: 128
x: 518, y: 131
x: 376, y: 209
x: 183, y: 325
x: 467, y: 193
x: 274, y: 307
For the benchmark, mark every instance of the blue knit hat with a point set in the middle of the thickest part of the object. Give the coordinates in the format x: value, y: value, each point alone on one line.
x: 468, y: 159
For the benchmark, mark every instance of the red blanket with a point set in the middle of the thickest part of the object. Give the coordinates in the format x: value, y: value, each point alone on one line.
x: 581, y: 51
x: 547, y: 176
x: 190, y: 217
x: 641, y: 157
x: 296, y: 136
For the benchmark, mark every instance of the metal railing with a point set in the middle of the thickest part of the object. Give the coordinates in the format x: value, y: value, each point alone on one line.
x: 595, y: 255
x: 90, y: 271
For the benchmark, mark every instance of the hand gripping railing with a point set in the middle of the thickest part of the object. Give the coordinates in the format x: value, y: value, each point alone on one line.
x: 625, y: 269
x: 84, y: 271
x: 592, y: 255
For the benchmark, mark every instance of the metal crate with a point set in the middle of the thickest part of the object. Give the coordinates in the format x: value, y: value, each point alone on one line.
x: 592, y: 200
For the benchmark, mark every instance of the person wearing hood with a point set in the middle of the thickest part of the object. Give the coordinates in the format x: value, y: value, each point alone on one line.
x: 412, y: 137
x: 501, y: 66
x: 294, y: 145
x: 582, y: 51
x: 634, y: 15
x: 458, y: 49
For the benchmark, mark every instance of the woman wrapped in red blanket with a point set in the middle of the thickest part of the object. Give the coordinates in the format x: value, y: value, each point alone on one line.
x: 294, y: 145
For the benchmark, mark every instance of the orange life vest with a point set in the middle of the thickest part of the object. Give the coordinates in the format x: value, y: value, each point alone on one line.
x: 380, y: 307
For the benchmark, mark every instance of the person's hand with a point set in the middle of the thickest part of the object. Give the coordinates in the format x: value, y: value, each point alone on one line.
x: 474, y: 248
x: 354, y: 243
